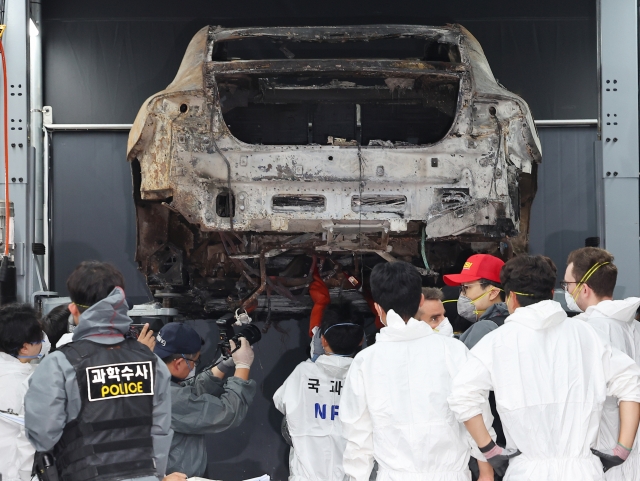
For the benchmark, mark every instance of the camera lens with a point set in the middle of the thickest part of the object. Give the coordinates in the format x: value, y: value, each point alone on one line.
x: 251, y: 333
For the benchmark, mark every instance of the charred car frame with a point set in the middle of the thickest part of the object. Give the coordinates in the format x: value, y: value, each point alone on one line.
x: 278, y: 149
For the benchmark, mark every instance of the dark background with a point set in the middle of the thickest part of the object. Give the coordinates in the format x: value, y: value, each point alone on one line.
x: 102, y: 59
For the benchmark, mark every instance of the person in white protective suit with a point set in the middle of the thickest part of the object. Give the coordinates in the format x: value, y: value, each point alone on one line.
x: 432, y: 312
x: 394, y: 405
x: 310, y: 399
x: 21, y: 341
x: 551, y: 375
x: 589, y: 282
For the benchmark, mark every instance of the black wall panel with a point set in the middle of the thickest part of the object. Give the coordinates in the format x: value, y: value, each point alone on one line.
x: 103, y: 59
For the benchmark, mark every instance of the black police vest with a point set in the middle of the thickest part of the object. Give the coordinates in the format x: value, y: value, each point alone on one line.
x: 111, y: 438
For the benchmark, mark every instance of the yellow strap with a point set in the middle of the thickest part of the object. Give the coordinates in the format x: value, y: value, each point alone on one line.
x: 450, y: 300
x: 586, y: 277
x: 82, y: 305
x: 523, y: 294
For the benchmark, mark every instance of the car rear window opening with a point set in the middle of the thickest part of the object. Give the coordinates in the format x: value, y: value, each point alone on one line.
x: 332, y: 109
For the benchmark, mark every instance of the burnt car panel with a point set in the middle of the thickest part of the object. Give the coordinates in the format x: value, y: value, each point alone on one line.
x: 388, y: 141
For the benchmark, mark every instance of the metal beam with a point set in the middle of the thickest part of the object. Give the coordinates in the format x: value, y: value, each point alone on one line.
x: 126, y: 127
x: 618, y: 147
x: 21, y: 160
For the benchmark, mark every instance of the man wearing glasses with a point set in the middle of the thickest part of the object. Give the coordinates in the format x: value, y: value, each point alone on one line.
x: 203, y: 403
x: 481, y: 298
x: 589, y: 282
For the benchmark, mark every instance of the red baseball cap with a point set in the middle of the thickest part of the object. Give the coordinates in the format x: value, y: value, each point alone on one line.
x: 479, y: 266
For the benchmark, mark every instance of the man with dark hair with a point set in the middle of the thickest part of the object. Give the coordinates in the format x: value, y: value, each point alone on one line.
x: 481, y: 298
x: 56, y: 325
x: 394, y: 406
x: 310, y: 399
x: 20, y: 342
x: 589, y: 282
x: 551, y: 375
x: 101, y: 403
x: 204, y: 403
x: 432, y: 311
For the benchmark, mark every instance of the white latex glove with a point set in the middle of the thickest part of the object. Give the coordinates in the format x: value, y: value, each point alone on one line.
x: 243, y: 357
x: 316, y: 344
x: 227, y: 366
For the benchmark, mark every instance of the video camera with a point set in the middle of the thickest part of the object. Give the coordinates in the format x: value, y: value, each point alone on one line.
x: 225, y: 326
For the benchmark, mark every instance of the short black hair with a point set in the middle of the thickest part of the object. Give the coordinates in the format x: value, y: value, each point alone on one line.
x: 343, y: 340
x: 18, y: 325
x: 56, y: 324
x: 397, y: 286
x: 533, y: 276
x: 484, y: 283
x: 91, y: 282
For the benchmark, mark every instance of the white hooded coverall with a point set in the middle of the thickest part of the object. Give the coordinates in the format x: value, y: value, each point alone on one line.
x: 16, y: 452
x: 310, y: 399
x: 394, y: 407
x: 551, y: 375
x: 615, y: 323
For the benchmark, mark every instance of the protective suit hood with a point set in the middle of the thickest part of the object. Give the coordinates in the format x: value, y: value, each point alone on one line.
x: 397, y: 330
x: 622, y: 310
x: 334, y: 366
x: 539, y: 316
x: 106, y: 320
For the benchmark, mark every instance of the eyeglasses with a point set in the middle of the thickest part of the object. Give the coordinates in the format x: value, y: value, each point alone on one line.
x: 565, y: 284
x: 196, y: 362
x: 464, y: 287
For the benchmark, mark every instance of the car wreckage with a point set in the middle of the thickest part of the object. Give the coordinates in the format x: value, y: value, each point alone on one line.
x: 278, y: 151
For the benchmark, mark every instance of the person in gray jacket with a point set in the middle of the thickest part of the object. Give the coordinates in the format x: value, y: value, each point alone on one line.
x: 202, y: 404
x: 127, y: 433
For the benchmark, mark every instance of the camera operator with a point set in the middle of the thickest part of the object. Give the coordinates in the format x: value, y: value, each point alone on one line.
x: 100, y: 402
x: 202, y: 404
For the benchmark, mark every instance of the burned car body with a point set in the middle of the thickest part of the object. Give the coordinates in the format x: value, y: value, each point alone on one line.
x: 275, y: 149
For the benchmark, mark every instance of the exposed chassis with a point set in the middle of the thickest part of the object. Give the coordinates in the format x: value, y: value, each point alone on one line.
x: 224, y: 223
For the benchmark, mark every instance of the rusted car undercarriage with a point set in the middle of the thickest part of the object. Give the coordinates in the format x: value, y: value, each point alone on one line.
x: 276, y: 150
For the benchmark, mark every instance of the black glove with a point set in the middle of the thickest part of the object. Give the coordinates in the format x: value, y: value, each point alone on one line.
x: 611, y: 460
x: 499, y: 457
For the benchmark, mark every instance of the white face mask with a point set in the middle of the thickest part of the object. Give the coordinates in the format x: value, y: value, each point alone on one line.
x: 444, y: 328
x: 71, y: 325
x: 192, y: 373
x: 572, y: 305
x: 46, y: 346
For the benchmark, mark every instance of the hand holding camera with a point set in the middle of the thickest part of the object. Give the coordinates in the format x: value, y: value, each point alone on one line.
x: 242, y: 357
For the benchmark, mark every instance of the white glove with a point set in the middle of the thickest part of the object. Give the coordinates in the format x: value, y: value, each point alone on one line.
x: 316, y: 344
x: 243, y: 357
x: 227, y: 366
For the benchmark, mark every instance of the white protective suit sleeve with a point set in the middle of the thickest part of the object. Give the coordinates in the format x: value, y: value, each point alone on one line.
x: 455, y: 365
x: 622, y: 375
x: 16, y: 453
x: 357, y: 427
x: 278, y: 398
x: 470, y: 390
